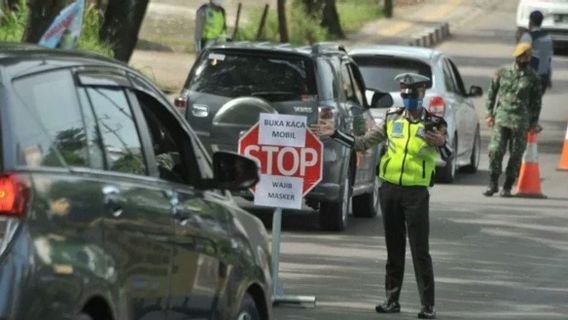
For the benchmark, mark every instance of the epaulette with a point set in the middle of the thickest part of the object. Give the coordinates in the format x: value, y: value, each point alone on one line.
x: 393, y: 110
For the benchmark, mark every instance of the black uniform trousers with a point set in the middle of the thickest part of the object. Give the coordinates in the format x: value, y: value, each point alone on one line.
x: 406, y: 210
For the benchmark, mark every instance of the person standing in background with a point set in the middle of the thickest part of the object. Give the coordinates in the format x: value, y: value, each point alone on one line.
x: 210, y: 24
x: 542, y: 49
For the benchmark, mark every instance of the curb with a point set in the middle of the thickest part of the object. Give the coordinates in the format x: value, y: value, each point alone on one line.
x: 431, y: 37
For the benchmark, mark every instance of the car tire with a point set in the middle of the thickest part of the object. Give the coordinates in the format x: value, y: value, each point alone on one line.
x: 475, y: 154
x: 248, y: 309
x: 447, y: 174
x: 367, y: 204
x: 333, y: 215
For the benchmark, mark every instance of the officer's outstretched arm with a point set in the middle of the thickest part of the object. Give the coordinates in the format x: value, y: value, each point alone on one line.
x: 362, y: 143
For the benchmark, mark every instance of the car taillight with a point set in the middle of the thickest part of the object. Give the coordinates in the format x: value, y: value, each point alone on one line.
x: 13, y: 196
x: 437, y: 106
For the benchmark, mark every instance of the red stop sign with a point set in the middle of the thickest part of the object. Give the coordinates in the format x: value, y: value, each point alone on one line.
x: 300, y: 162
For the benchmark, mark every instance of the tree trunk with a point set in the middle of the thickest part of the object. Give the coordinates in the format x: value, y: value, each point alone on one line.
x: 388, y: 8
x: 41, y: 14
x: 121, y: 24
x: 330, y: 19
x: 282, y: 24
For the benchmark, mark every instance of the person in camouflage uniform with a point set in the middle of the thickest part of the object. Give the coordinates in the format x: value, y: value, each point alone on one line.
x: 513, y: 107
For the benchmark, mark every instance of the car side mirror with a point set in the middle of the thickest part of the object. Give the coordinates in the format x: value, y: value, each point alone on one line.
x: 475, y: 91
x: 381, y: 100
x: 234, y: 172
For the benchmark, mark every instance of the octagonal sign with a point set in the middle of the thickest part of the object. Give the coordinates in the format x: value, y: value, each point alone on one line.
x: 289, y: 156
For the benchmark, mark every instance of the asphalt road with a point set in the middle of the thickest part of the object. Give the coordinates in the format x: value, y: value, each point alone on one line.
x: 494, y: 258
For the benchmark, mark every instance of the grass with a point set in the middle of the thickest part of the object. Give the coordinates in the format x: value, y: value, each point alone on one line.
x: 305, y: 30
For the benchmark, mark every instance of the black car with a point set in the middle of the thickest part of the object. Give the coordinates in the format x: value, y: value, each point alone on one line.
x: 110, y: 207
x: 230, y: 85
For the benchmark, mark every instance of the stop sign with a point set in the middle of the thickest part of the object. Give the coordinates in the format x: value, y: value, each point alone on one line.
x: 286, y: 161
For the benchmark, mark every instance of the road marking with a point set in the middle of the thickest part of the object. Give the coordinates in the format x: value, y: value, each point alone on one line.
x: 438, y: 13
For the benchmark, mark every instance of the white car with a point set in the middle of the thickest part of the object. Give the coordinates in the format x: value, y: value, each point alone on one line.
x: 445, y: 96
x: 555, y: 20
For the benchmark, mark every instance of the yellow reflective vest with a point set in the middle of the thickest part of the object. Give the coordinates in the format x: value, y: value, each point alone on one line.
x: 214, y: 25
x: 409, y: 160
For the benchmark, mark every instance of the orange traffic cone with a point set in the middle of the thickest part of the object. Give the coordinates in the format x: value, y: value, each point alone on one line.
x: 563, y: 164
x: 528, y: 185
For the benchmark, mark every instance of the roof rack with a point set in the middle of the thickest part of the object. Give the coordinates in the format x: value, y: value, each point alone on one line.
x: 327, y: 46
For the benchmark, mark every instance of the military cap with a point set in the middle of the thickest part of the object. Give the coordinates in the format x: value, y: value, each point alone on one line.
x: 521, y: 48
x: 411, y: 79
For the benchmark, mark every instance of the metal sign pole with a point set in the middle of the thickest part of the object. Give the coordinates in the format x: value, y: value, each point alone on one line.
x: 278, y: 295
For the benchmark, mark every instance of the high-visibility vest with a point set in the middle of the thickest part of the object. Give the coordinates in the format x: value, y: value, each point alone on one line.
x: 214, y: 26
x: 409, y: 160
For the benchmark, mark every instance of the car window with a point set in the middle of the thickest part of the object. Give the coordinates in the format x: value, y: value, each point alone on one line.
x: 457, y: 78
x: 356, y: 86
x: 174, y: 152
x: 328, y: 80
x: 272, y: 77
x: 379, y: 71
x: 449, y: 78
x: 119, y: 134
x: 49, y: 126
x: 347, y: 84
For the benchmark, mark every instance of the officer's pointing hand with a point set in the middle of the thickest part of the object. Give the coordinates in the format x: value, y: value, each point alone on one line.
x: 325, y: 127
x: 435, y: 138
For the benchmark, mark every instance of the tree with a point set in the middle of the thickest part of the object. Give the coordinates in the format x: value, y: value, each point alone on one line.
x: 121, y: 25
x: 388, y: 8
x: 41, y: 14
x: 326, y: 11
x: 282, y: 24
x: 330, y: 19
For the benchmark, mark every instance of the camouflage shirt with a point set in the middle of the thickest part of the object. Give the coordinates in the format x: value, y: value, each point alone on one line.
x: 514, y: 97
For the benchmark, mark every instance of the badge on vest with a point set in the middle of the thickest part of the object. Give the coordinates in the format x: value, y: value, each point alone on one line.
x: 421, y: 133
x: 397, y: 130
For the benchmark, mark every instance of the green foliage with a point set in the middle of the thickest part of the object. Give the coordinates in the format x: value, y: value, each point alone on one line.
x: 305, y: 29
x: 13, y: 23
x: 89, y: 39
x: 302, y: 28
x: 354, y: 14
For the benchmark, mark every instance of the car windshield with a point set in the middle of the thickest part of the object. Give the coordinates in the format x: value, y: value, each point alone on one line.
x: 379, y: 71
x: 275, y: 78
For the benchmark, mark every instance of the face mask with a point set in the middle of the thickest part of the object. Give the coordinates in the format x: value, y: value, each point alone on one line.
x: 412, y: 104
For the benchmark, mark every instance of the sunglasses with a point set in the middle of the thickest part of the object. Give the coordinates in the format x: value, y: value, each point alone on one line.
x: 412, y: 93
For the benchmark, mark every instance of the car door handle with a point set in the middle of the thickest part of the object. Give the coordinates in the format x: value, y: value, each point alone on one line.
x: 113, y: 201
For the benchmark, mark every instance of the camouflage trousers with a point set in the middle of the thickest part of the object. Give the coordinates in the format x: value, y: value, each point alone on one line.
x: 516, y: 139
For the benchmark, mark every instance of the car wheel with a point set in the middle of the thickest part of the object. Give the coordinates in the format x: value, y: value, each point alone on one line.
x: 447, y: 174
x: 475, y: 154
x: 248, y: 310
x: 333, y: 215
x: 367, y: 205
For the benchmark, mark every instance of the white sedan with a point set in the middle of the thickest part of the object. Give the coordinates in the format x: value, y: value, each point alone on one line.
x: 445, y: 96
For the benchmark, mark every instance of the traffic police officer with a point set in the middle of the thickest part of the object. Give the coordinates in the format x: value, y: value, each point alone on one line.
x: 513, y: 108
x: 413, y: 137
x: 210, y: 24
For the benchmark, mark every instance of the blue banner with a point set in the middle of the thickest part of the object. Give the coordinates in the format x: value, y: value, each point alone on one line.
x: 65, y: 29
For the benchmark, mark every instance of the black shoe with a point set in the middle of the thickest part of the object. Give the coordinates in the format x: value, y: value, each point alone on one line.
x: 427, y: 312
x: 388, y: 307
x: 491, y: 190
x: 506, y: 193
